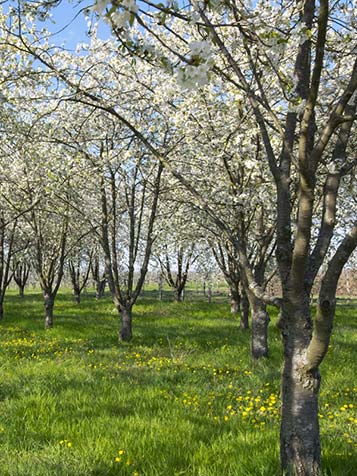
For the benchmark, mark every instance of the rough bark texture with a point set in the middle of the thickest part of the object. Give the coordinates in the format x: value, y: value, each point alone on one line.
x: 260, y: 321
x: 299, y: 436
x: 126, y: 332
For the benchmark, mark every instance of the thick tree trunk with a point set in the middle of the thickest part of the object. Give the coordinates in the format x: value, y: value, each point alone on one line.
x: 299, y: 434
x: 49, y: 302
x: 126, y: 332
x: 260, y: 321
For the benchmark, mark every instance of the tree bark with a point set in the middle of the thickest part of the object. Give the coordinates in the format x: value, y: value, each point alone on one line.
x: 49, y: 304
x: 126, y: 332
x: 21, y: 291
x: 299, y: 434
x: 1, y: 308
x: 99, y: 288
x: 178, y: 293
x: 260, y: 321
x: 235, y: 300
x: 304, y: 351
x: 244, y: 310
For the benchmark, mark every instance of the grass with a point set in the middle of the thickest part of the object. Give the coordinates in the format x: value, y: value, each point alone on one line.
x: 183, y: 398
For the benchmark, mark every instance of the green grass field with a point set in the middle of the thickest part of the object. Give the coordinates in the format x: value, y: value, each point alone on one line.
x: 183, y: 398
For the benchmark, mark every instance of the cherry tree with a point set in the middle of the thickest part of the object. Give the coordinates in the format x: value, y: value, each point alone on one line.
x: 291, y: 69
x: 79, y: 267
x: 301, y: 92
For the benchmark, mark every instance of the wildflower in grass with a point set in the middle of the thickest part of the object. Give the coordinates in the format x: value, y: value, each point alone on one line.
x: 65, y: 443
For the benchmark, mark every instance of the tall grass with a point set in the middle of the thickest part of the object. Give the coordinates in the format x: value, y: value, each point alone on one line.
x: 182, y: 398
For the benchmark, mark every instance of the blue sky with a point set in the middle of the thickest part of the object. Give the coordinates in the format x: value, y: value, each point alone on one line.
x: 71, y: 27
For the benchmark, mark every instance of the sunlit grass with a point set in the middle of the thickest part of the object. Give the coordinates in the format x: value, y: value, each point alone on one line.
x: 183, y: 398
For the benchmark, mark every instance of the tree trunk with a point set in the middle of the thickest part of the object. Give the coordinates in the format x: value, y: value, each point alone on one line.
x: 126, y: 332
x: 299, y: 433
x: 244, y: 310
x: 235, y: 300
x: 49, y: 304
x: 160, y: 289
x: 209, y: 294
x: 1, y: 308
x: 178, y: 293
x: 260, y: 321
x: 21, y: 291
x: 99, y: 289
x: 76, y: 294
